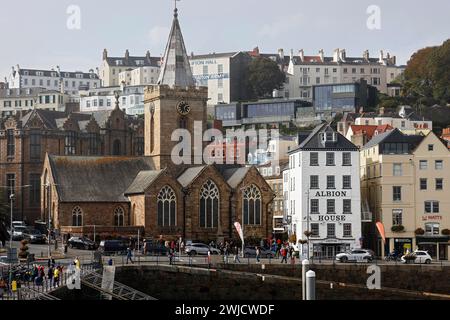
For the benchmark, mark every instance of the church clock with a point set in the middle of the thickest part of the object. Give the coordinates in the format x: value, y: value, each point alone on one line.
x: 183, y: 108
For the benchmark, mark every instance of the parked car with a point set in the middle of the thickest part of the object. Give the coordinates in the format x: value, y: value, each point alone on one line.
x: 358, y: 255
x: 34, y: 236
x: 41, y: 226
x: 18, y: 233
x: 113, y: 247
x: 250, y: 252
x: 19, y: 224
x: 81, y: 243
x: 420, y: 257
x: 201, y: 249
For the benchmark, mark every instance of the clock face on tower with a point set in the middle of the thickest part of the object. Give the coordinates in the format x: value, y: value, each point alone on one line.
x: 183, y: 108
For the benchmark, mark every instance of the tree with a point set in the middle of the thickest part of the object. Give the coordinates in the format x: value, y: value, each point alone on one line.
x: 262, y: 77
x: 427, y: 75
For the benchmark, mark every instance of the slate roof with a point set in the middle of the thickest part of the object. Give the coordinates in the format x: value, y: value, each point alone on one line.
x: 235, y: 176
x: 313, y: 142
x: 142, y: 181
x: 96, y: 179
x: 133, y: 61
x: 54, y: 74
x: 189, y: 175
x: 395, y: 136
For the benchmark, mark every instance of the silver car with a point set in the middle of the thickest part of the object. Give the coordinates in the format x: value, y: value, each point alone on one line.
x: 201, y: 249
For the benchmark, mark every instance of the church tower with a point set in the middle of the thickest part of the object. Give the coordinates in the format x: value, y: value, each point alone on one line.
x: 174, y: 103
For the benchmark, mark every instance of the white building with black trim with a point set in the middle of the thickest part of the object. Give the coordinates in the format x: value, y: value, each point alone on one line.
x: 322, y: 193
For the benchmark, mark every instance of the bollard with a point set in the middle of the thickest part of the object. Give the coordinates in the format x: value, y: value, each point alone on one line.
x: 310, y: 285
x: 305, y: 269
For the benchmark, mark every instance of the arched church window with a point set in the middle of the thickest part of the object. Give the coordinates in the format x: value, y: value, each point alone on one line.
x: 77, y: 217
x: 167, y: 207
x: 209, y: 205
x: 252, y: 206
x: 119, y: 217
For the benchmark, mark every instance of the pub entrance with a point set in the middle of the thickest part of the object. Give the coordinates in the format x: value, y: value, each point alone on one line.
x: 329, y: 251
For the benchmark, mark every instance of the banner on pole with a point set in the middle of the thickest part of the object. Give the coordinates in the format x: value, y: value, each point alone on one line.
x: 238, y: 227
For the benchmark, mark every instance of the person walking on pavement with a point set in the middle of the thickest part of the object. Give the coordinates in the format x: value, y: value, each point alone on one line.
x: 50, y: 274
x: 76, y: 263
x: 236, y: 255
x: 129, y: 255
x: 56, y: 277
x: 284, y: 255
x: 258, y: 254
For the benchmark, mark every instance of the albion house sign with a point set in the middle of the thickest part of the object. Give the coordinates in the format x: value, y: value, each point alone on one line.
x: 331, y: 194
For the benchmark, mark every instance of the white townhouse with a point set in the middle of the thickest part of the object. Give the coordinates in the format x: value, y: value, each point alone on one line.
x: 322, y: 193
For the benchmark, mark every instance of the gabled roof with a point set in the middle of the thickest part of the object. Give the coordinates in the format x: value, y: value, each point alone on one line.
x: 314, y: 142
x: 395, y: 136
x: 370, y: 130
x: 378, y: 139
x: 235, y: 176
x: 176, y: 68
x: 96, y: 179
x: 189, y: 175
x: 143, y: 180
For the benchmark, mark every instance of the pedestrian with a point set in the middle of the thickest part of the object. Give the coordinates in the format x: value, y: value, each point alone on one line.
x: 56, y: 276
x: 76, y: 263
x: 236, y: 255
x: 284, y: 255
x: 171, y: 254
x: 129, y: 255
x: 258, y: 254
x: 145, y: 247
x: 209, y: 257
x: 3, y: 288
x: 50, y: 274
x: 225, y: 255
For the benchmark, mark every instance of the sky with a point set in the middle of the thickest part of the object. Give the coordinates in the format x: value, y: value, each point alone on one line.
x: 48, y: 33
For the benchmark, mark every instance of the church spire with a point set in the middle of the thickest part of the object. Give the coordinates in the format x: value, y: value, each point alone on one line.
x: 175, y: 69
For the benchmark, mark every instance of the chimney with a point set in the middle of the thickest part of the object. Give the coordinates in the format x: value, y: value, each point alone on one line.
x: 322, y: 55
x: 381, y: 59
x: 281, y: 53
x: 336, y: 55
x: 342, y: 55
x: 127, y: 55
x: 301, y: 54
x: 105, y: 54
x: 366, y: 55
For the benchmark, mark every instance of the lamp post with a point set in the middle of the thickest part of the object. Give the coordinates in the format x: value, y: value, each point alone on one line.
x: 47, y: 187
x: 11, y: 198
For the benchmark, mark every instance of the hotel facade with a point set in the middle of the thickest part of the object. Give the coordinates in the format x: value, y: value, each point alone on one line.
x: 322, y: 194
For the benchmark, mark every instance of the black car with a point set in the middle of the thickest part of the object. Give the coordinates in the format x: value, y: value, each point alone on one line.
x: 34, y: 236
x: 81, y: 243
x: 153, y: 248
x: 113, y: 247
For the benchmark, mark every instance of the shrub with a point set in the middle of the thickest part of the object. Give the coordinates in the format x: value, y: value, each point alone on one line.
x: 398, y: 229
x: 419, y: 232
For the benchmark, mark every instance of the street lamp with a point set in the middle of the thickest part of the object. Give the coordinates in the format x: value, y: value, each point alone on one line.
x: 47, y: 187
x: 11, y: 197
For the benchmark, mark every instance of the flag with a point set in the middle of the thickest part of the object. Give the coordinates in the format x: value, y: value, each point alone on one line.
x: 381, y: 230
x: 238, y: 227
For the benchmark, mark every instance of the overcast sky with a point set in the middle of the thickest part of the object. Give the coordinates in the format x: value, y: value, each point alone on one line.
x: 34, y: 34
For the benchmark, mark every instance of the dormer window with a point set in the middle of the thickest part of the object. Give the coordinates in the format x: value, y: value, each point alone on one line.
x: 328, y: 137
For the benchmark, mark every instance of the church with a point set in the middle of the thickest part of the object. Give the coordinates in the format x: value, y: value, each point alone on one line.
x: 150, y: 195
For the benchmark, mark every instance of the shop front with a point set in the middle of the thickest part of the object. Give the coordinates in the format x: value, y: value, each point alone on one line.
x: 399, y: 245
x: 328, y: 250
x: 437, y: 247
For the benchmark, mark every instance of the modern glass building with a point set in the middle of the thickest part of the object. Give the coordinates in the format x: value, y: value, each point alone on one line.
x: 343, y: 97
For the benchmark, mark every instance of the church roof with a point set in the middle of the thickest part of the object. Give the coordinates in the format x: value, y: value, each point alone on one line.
x: 235, y: 176
x: 176, y: 69
x: 186, y: 178
x: 143, y: 180
x: 96, y: 179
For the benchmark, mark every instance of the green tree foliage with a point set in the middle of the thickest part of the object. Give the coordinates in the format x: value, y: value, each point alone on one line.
x: 264, y: 76
x: 427, y: 75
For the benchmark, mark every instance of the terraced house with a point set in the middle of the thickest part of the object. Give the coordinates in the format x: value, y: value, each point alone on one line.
x: 405, y: 180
